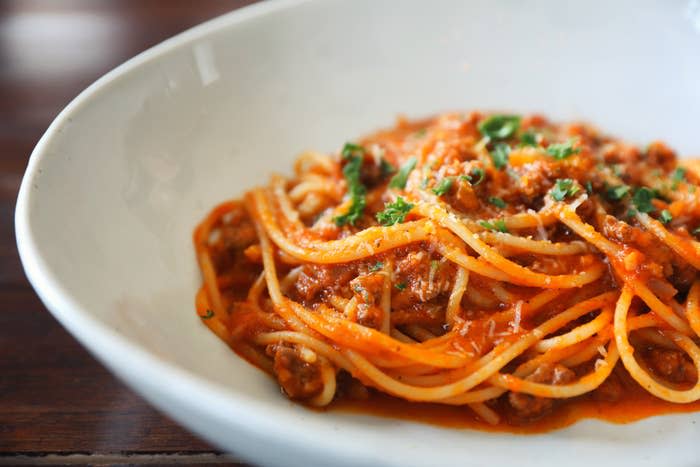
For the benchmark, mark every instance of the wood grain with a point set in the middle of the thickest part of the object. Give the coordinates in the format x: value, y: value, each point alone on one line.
x: 54, y: 397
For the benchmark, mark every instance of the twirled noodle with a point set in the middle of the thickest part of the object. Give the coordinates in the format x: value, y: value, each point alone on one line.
x: 484, y: 261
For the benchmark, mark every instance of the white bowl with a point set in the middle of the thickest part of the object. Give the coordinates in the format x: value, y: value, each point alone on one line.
x: 117, y: 183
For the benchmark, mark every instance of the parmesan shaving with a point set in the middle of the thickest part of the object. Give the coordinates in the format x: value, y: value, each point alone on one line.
x: 517, y: 315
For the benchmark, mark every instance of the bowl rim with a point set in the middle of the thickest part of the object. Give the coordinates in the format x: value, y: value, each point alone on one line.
x: 135, y: 364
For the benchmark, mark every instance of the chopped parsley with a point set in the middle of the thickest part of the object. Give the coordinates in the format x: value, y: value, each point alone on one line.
x: 420, y: 133
x: 209, y: 314
x: 561, y: 151
x: 616, y: 193
x: 400, y: 286
x: 444, y: 186
x: 499, y: 155
x: 563, y: 188
x: 352, y: 150
x: 357, y: 191
x: 362, y: 292
x: 434, y: 265
x: 498, y: 202
x: 497, y: 225
x: 529, y: 138
x: 386, y: 168
x: 589, y: 187
x: 499, y: 126
x: 376, y: 266
x: 678, y: 176
x: 399, y: 180
x: 477, y: 173
x: 642, y: 199
x: 665, y: 217
x: 394, y: 212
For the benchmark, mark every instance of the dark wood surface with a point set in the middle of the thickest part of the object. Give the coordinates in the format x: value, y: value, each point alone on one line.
x: 55, y: 399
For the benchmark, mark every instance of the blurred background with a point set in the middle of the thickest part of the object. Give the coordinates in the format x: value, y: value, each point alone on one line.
x: 57, y: 404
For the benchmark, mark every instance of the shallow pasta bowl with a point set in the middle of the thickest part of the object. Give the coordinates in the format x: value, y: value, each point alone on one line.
x: 116, y: 185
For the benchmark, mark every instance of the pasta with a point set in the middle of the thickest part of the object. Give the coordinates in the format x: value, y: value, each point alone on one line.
x: 504, y: 263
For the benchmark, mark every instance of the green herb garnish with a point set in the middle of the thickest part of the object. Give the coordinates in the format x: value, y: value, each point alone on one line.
x: 499, y: 155
x: 394, y: 212
x: 399, y: 180
x: 376, y: 266
x: 498, y: 202
x: 499, y: 126
x: 561, y: 151
x: 497, y: 225
x: 357, y: 191
x: 444, y: 186
x: 209, y: 314
x: 563, y: 188
x: 386, y: 168
x: 400, y: 286
x: 616, y: 193
x: 477, y: 173
x: 678, y: 176
x: 665, y: 217
x: 529, y: 138
x: 420, y: 133
x: 350, y: 150
x: 642, y: 199
x: 589, y: 187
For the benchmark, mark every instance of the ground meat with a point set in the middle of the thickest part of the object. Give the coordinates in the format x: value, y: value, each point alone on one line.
x: 626, y: 161
x: 349, y: 387
x: 315, y: 278
x: 452, y: 150
x: 672, y: 365
x: 228, y: 242
x: 536, y: 178
x: 424, y: 278
x: 620, y: 153
x: 611, y: 390
x: 660, y: 155
x: 371, y: 173
x: 529, y: 407
x: 667, y: 264
x: 464, y: 198
x: 298, y: 378
x: 367, y: 289
x: 238, y: 236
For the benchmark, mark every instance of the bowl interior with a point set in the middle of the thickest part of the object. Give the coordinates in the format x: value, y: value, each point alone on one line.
x: 117, y: 185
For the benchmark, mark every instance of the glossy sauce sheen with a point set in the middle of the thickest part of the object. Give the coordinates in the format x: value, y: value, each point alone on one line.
x: 636, y: 405
x: 492, y: 314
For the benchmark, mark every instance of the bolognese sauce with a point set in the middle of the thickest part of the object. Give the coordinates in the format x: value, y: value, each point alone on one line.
x: 471, y: 269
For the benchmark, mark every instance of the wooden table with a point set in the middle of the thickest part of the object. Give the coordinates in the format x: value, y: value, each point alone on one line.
x: 55, y: 399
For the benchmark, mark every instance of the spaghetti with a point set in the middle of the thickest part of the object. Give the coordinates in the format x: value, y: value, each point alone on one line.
x: 507, y: 264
